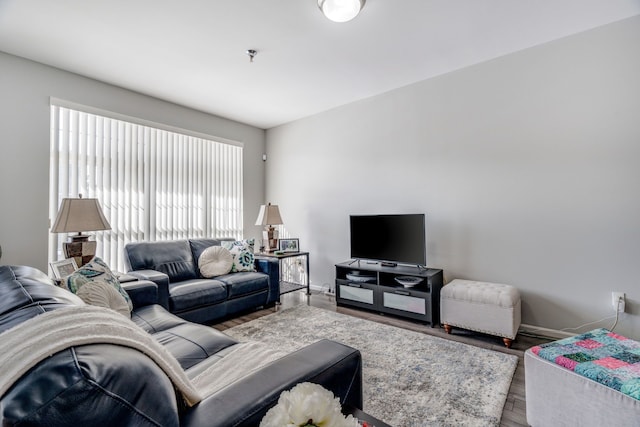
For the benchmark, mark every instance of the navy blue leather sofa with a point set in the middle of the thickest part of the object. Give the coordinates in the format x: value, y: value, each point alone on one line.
x: 173, y: 266
x: 111, y: 385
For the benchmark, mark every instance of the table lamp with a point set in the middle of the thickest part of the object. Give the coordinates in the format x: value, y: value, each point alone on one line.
x: 78, y: 215
x: 269, y: 216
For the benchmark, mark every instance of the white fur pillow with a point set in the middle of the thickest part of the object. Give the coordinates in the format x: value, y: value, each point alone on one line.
x: 103, y: 294
x: 215, y: 261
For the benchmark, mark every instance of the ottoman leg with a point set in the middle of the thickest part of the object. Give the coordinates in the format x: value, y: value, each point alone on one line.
x: 447, y: 328
x: 507, y: 342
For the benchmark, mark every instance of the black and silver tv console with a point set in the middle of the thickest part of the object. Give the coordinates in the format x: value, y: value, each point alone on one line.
x: 374, y: 287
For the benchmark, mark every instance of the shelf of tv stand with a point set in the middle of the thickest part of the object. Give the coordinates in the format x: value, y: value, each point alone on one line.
x: 383, y: 294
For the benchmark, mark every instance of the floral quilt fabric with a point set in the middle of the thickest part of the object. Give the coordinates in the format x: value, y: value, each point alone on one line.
x: 601, y: 355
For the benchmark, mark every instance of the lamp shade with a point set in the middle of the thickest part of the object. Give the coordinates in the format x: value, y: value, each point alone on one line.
x: 341, y: 10
x: 77, y: 215
x: 269, y: 215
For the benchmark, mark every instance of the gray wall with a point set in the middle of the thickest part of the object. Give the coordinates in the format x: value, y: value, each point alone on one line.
x: 527, y: 167
x: 25, y: 88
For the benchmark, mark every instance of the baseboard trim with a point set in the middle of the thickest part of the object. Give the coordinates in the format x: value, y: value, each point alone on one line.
x: 524, y: 328
x: 317, y: 288
x: 538, y: 330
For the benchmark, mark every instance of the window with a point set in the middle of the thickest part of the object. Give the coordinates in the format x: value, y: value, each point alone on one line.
x: 153, y: 183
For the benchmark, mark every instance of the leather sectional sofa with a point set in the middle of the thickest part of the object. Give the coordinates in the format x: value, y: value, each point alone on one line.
x: 173, y: 266
x: 102, y: 384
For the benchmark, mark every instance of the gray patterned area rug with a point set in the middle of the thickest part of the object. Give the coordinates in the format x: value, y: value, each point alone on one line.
x: 410, y: 379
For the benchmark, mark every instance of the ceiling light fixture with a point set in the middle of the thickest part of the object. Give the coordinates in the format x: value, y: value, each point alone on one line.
x: 341, y: 10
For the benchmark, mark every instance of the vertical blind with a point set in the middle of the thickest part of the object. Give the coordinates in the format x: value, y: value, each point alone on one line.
x: 152, y: 183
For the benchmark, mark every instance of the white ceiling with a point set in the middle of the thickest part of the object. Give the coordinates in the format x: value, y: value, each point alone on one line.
x: 192, y: 52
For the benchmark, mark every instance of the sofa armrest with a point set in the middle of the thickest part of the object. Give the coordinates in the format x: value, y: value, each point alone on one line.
x: 334, y: 366
x: 141, y: 292
x: 271, y: 267
x: 160, y: 279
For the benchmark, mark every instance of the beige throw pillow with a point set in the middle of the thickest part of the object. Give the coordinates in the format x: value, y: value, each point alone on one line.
x: 103, y: 294
x: 215, y: 261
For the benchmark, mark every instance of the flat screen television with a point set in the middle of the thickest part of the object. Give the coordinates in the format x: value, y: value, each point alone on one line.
x: 389, y: 238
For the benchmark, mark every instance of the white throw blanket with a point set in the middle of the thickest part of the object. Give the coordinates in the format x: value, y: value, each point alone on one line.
x: 33, y: 340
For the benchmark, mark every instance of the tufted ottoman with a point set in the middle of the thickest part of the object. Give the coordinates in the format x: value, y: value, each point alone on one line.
x: 479, y: 306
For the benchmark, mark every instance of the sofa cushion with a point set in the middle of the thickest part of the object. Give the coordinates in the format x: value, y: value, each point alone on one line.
x: 239, y: 284
x: 172, y: 258
x: 95, y: 270
x: 190, y: 294
x: 215, y: 261
x: 242, y: 251
x: 154, y: 318
x: 190, y: 343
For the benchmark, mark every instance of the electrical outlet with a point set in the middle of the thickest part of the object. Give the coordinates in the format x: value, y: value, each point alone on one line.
x: 618, y: 300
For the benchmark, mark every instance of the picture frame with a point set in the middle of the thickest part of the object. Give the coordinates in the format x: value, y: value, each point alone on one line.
x: 63, y: 268
x: 289, y: 245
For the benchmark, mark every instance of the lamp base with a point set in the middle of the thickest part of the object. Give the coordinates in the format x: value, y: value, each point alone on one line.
x: 81, y: 251
x: 270, y: 238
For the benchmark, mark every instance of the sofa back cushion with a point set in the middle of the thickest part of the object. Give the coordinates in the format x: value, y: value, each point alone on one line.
x: 26, y: 292
x: 172, y: 257
x: 199, y: 245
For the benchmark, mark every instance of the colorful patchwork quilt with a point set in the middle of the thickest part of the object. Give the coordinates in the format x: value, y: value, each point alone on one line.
x: 600, y: 355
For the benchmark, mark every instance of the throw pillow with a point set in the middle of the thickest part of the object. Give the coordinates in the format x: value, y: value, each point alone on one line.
x: 96, y: 269
x: 242, y: 251
x: 215, y: 261
x: 103, y: 294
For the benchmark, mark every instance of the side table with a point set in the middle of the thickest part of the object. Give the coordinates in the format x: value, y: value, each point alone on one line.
x: 287, y: 286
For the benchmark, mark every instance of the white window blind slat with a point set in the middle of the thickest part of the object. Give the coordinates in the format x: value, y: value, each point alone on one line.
x: 152, y: 184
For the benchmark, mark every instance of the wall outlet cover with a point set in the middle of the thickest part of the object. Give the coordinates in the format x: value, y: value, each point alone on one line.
x: 618, y: 301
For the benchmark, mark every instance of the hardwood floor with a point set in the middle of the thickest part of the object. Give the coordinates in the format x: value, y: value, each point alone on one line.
x: 514, y: 413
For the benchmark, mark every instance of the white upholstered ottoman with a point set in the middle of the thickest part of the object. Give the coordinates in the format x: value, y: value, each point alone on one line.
x: 480, y: 306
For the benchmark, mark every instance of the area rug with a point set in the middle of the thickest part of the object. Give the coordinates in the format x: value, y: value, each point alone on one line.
x: 410, y: 379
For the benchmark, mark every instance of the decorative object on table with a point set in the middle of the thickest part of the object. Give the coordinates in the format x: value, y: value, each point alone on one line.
x: 243, y: 254
x: 409, y: 378
x: 78, y: 215
x: 307, y: 405
x: 358, y: 276
x: 408, y: 281
x: 268, y: 216
x: 341, y: 10
x: 64, y: 268
x: 289, y: 245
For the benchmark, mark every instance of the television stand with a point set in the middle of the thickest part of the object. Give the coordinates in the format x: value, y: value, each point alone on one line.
x: 375, y: 288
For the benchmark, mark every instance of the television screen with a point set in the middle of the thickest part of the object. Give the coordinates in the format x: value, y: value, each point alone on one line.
x: 396, y: 238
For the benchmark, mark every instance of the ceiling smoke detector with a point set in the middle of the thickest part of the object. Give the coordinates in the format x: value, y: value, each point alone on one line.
x: 252, y: 53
